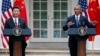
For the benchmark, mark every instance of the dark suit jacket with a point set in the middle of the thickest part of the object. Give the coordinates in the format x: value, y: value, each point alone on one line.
x: 10, y: 24
x: 83, y: 21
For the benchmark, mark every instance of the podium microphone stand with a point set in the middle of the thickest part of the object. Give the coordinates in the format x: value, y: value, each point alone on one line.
x: 81, y: 34
x: 17, y: 32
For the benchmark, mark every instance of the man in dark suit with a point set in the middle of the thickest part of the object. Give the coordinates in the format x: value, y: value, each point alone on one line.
x: 76, y: 21
x: 13, y: 22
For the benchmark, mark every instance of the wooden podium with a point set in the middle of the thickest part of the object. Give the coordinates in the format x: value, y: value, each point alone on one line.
x: 17, y: 32
x: 77, y: 33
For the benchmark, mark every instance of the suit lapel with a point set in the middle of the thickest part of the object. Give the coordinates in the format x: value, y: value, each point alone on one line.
x: 12, y: 22
x: 74, y: 20
x: 80, y: 19
x: 19, y: 21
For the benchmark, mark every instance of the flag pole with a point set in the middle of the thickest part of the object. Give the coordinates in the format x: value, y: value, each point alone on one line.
x: 6, y: 51
x: 92, y: 45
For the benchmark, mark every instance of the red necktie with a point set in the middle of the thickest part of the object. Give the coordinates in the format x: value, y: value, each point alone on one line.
x: 15, y: 22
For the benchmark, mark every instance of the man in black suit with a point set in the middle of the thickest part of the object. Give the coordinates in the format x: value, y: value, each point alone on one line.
x: 76, y: 21
x: 13, y: 22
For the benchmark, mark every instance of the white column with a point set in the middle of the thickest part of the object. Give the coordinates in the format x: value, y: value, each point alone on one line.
x: 72, y: 5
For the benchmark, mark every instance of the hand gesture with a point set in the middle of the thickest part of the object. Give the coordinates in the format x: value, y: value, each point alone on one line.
x: 70, y: 23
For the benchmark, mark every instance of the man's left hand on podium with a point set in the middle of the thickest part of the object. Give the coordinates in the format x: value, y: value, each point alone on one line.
x: 94, y: 23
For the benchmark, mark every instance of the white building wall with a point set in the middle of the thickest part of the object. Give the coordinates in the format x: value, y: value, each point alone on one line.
x: 72, y: 4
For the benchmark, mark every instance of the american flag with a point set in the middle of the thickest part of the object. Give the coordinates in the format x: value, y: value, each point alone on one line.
x: 6, y: 13
x: 83, y: 4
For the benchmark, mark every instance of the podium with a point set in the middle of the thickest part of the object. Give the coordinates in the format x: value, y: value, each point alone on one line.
x: 81, y: 34
x: 17, y: 32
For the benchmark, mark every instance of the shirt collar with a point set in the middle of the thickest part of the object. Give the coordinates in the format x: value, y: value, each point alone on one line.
x: 15, y: 18
x: 77, y: 16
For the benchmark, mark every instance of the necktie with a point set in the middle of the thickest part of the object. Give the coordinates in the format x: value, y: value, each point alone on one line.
x: 77, y: 21
x: 15, y: 22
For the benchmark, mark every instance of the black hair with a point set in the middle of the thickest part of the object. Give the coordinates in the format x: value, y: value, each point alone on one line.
x: 15, y: 7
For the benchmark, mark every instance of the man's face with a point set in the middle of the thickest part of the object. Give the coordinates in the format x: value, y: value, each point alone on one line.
x: 77, y: 10
x: 16, y: 12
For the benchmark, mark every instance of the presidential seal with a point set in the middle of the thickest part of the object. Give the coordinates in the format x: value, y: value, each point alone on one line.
x: 17, y: 31
x: 82, y: 31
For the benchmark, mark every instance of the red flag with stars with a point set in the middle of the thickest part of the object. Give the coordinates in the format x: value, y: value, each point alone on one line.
x: 23, y: 15
x: 94, y: 14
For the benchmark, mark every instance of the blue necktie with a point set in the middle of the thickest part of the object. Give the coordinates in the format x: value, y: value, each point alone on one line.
x: 77, y: 21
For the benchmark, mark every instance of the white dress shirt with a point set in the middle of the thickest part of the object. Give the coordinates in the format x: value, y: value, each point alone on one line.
x: 77, y: 17
x: 15, y: 20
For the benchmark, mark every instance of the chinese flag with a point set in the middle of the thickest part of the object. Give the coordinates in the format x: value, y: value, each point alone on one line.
x: 94, y: 14
x: 23, y: 15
